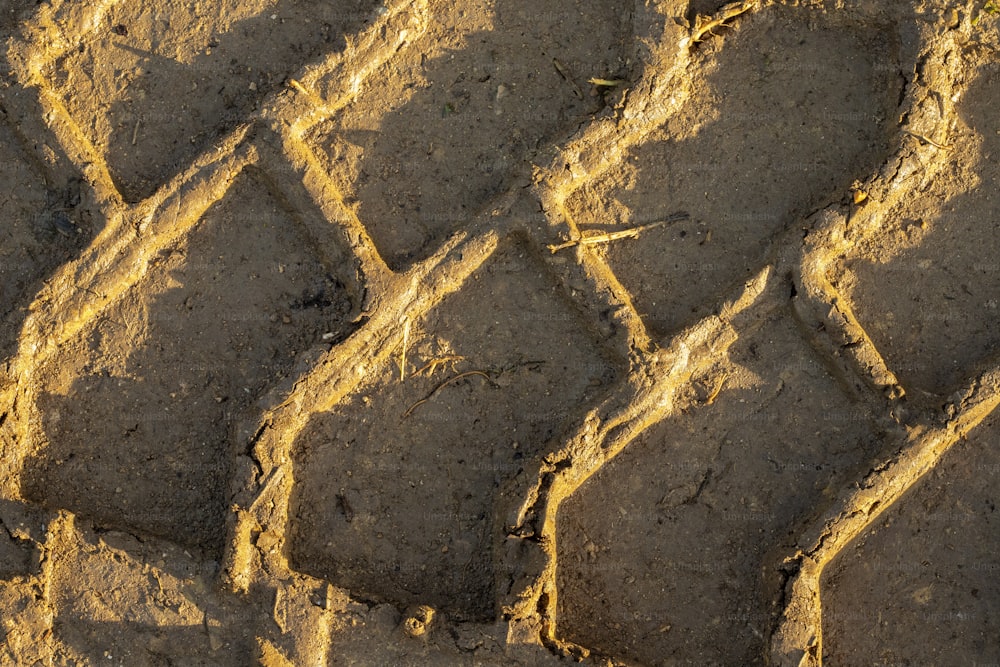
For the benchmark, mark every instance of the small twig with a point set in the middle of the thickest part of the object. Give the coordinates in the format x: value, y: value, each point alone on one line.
x: 432, y: 365
x: 406, y: 342
x: 630, y: 233
x: 610, y: 83
x: 927, y: 140
x: 715, y: 394
x: 305, y: 91
x: 441, y: 386
x: 135, y: 132
x: 703, y: 24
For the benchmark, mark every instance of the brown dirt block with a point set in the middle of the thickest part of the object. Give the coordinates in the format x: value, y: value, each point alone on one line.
x: 921, y: 585
x: 137, y: 413
x: 666, y: 554
x: 154, y: 85
x: 465, y: 109
x: 928, y: 292
x: 16, y: 556
x: 117, y: 600
x: 795, y: 107
x: 401, y: 507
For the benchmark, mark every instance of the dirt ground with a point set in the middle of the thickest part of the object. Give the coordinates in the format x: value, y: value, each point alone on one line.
x: 499, y: 333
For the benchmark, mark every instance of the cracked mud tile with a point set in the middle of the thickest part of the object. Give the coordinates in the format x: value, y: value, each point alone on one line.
x: 927, y: 291
x: 667, y: 553
x: 465, y: 109
x: 396, y: 499
x: 152, y: 87
x: 921, y: 585
x: 794, y: 106
x: 136, y: 413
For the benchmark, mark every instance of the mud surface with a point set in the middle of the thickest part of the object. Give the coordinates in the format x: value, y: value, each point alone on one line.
x: 482, y: 333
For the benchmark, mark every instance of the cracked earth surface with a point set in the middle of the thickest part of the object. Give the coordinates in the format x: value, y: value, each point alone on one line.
x: 490, y: 333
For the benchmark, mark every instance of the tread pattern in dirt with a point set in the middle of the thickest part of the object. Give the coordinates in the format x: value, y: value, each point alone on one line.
x: 283, y: 342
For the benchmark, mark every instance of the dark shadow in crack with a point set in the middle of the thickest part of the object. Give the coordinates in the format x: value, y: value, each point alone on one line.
x: 20, y: 530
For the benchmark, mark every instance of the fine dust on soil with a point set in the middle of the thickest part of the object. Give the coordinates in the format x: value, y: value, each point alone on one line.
x: 239, y: 429
x: 130, y: 616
